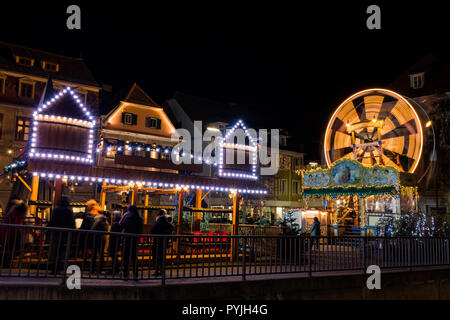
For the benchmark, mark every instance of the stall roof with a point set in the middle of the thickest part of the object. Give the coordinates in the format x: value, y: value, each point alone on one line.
x: 162, y: 179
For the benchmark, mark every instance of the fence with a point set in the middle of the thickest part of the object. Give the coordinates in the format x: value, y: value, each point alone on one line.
x: 33, y: 251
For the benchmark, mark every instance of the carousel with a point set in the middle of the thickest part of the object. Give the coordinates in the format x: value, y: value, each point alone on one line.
x: 372, y: 147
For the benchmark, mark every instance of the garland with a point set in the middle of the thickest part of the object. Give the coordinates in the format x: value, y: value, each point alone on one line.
x: 340, y: 191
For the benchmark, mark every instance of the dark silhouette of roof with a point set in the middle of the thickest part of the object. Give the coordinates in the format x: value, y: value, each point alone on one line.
x: 48, y: 92
x: 208, y: 111
x: 70, y: 69
x: 132, y: 94
x: 436, y: 78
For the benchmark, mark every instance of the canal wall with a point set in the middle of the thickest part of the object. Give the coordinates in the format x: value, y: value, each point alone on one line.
x: 430, y: 284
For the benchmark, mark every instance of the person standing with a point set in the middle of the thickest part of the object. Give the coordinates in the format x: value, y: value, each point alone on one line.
x: 160, y: 227
x: 62, y: 217
x: 98, y: 243
x: 11, y: 237
x: 315, y: 232
x: 115, y: 242
x: 130, y: 223
x: 85, y: 240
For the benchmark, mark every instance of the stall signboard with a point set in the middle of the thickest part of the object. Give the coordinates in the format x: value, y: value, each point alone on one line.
x: 379, y: 176
x: 346, y: 173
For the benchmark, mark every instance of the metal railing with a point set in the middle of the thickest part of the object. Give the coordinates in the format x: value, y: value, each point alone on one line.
x: 33, y: 251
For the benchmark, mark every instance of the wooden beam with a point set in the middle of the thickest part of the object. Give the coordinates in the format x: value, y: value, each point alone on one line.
x: 23, y: 181
x: 146, y: 211
x: 103, y: 196
x: 204, y: 196
x: 57, y: 192
x: 198, y: 205
x: 180, y: 210
x: 34, y: 194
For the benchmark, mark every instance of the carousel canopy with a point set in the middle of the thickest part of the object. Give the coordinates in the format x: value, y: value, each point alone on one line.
x: 350, y: 177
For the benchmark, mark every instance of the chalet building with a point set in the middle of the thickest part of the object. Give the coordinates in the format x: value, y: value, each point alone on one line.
x: 23, y: 76
x: 284, y: 188
x: 427, y: 83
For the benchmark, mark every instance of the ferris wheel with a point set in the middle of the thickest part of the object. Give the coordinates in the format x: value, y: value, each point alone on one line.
x: 375, y: 126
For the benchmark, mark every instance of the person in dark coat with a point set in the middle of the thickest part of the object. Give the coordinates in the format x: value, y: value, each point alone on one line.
x: 98, y: 243
x: 62, y: 217
x: 131, y: 223
x: 115, y: 241
x: 11, y: 238
x: 86, y: 240
x: 160, y: 227
x: 315, y: 232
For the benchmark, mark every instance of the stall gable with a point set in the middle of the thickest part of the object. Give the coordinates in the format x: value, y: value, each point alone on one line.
x: 238, y: 154
x: 63, y: 129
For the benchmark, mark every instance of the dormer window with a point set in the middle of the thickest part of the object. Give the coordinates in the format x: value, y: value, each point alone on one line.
x: 417, y: 80
x: 26, y: 62
x: 154, y: 123
x: 50, y: 66
x: 129, y: 118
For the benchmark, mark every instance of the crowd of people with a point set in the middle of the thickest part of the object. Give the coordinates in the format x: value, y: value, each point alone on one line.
x: 119, y: 244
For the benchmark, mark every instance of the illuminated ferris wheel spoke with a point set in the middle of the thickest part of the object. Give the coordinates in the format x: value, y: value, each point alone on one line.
x: 379, y: 126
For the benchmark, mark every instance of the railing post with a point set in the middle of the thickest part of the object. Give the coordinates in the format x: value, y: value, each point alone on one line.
x: 244, y: 253
x: 66, y: 258
x: 363, y: 243
x: 163, y: 267
x: 309, y: 256
x: 409, y: 254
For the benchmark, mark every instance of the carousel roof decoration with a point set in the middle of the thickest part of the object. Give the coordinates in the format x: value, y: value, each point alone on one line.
x: 59, y: 123
x: 375, y: 126
x: 252, y: 148
x: 347, y: 177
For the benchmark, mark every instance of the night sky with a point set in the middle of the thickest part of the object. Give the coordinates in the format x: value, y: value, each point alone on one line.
x: 287, y: 64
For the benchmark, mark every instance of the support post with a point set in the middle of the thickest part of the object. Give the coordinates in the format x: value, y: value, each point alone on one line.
x: 180, y: 210
x: 198, y: 205
x: 34, y: 194
x: 57, y: 192
x: 134, y: 194
x: 180, y: 219
x: 235, y: 227
x: 103, y: 196
x: 146, y: 210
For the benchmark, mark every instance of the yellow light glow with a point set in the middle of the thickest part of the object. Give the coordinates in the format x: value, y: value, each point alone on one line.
x: 389, y: 92
x: 9, y: 151
x: 428, y: 124
x: 212, y: 129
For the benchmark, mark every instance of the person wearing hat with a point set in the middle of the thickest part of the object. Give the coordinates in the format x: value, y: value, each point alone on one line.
x: 160, y: 227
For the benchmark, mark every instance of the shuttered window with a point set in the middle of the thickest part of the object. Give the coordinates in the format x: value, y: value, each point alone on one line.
x: 153, y: 123
x: 129, y: 118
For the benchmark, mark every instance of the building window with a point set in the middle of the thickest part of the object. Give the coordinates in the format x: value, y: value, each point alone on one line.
x: 27, y: 62
x: 417, y: 80
x: 283, y: 186
x: 50, y: 66
x: 285, y: 162
x: 26, y: 89
x: 129, y: 118
x: 1, y: 124
x: 153, y: 123
x: 298, y: 163
x: 23, y: 128
x: 111, y: 151
x: 295, y: 187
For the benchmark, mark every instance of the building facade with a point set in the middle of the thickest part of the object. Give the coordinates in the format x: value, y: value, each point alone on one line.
x: 23, y: 75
